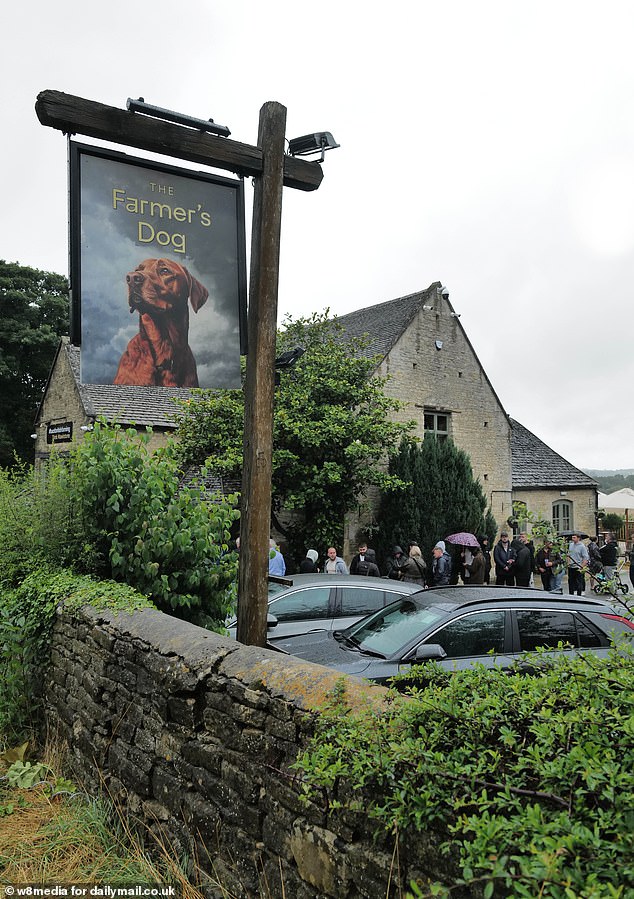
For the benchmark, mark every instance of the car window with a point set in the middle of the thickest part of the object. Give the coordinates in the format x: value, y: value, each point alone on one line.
x: 311, y: 602
x: 359, y: 600
x: 546, y: 628
x: 587, y: 637
x: 472, y: 635
x: 387, y: 632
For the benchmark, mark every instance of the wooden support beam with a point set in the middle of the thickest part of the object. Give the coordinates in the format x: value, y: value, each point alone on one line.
x: 260, y: 380
x: 74, y: 115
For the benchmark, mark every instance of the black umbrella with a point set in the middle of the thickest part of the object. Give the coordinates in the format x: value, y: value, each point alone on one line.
x: 581, y: 535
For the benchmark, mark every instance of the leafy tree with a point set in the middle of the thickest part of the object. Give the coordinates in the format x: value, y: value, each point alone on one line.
x: 441, y: 497
x: 33, y: 316
x: 613, y: 522
x: 332, y: 431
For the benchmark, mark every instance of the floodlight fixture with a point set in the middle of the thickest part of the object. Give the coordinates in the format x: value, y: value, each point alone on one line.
x: 178, y: 118
x: 309, y: 144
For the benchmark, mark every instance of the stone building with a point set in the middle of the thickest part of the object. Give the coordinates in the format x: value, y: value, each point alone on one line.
x: 422, y: 347
x: 434, y: 369
x: 549, y: 485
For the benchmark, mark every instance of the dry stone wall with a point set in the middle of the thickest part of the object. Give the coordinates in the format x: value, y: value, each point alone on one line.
x: 196, y: 734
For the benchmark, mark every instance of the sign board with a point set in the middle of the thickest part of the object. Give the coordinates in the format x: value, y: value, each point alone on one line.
x: 158, y: 272
x: 61, y: 432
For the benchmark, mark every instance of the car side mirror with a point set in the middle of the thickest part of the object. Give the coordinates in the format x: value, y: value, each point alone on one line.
x: 271, y: 621
x: 428, y: 651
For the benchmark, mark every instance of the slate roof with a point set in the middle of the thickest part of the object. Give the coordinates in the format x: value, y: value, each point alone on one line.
x: 535, y: 465
x: 384, y: 323
x: 144, y: 406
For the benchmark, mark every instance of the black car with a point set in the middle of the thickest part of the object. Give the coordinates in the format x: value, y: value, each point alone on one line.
x: 459, y: 626
x: 319, y: 603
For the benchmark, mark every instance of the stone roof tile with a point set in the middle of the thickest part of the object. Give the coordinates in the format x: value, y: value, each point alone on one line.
x: 535, y: 465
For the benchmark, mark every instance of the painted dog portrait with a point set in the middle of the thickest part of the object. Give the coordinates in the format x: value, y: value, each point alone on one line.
x: 159, y: 290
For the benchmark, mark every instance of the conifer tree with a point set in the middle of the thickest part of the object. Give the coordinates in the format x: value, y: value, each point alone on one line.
x: 442, y: 497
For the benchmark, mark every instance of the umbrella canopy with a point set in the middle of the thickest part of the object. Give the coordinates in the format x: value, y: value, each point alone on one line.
x: 570, y: 533
x: 463, y: 539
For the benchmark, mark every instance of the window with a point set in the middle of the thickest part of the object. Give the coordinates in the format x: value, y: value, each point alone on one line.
x: 312, y: 602
x: 546, y: 629
x: 360, y: 600
x: 562, y: 516
x: 472, y: 635
x: 436, y: 424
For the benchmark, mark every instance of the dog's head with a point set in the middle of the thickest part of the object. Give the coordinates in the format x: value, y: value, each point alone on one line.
x: 162, y: 285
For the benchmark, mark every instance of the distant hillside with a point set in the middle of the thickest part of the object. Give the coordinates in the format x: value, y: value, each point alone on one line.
x: 609, y: 481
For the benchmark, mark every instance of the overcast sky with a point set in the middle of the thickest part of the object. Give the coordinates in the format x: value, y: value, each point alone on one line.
x: 488, y: 145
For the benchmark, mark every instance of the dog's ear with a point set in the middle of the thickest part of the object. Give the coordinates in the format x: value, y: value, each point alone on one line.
x: 198, y: 293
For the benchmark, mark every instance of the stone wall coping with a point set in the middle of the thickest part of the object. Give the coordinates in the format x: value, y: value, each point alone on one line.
x: 200, y: 652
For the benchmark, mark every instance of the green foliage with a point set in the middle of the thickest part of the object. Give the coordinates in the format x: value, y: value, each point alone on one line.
x: 124, y: 510
x: 527, y: 779
x: 612, y: 522
x: 26, y: 619
x: 33, y: 316
x: 442, y: 497
x: 332, y: 433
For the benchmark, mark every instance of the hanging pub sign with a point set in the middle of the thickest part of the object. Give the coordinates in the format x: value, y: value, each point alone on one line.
x: 158, y: 272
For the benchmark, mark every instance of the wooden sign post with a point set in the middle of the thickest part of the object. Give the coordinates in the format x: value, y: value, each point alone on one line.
x: 272, y: 170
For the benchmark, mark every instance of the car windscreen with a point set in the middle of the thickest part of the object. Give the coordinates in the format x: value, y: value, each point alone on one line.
x: 393, y: 627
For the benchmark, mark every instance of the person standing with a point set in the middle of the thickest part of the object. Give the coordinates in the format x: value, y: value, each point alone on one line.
x: 368, y: 567
x: 596, y: 563
x: 393, y: 564
x: 504, y: 558
x: 544, y: 564
x: 359, y: 557
x: 522, y: 566
x: 277, y: 565
x: 414, y: 568
x: 609, y: 556
x: 486, y: 552
x: 476, y: 567
x: 309, y: 564
x: 441, y: 566
x: 334, y: 563
x: 578, y: 561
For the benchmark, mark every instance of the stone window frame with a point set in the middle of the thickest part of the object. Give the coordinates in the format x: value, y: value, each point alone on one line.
x: 439, y: 429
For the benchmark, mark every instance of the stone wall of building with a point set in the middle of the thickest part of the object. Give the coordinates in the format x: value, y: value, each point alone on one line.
x: 196, y: 735
x: 583, y: 501
x: 449, y: 380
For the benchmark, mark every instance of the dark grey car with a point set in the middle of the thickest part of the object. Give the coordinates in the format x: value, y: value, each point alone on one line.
x: 320, y: 603
x: 459, y: 626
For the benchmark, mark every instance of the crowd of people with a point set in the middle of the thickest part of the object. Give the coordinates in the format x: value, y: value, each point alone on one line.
x: 511, y: 562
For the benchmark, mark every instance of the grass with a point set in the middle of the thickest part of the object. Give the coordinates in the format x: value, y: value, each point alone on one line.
x: 73, y: 838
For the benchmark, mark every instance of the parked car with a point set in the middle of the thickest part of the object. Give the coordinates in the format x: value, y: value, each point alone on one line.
x: 459, y: 626
x: 319, y: 603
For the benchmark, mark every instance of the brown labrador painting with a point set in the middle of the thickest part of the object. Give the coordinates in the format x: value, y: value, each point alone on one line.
x: 159, y: 290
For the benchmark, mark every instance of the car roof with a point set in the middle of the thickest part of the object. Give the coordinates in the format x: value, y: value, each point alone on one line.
x: 458, y: 596
x: 342, y: 580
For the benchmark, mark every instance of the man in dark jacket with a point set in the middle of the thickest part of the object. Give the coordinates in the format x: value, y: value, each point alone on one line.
x: 522, y: 566
x: 441, y: 566
x: 367, y: 566
x: 504, y: 558
x: 609, y: 553
x: 394, y: 562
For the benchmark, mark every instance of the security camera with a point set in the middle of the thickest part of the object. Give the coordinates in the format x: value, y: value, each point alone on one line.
x: 444, y: 292
x: 455, y: 315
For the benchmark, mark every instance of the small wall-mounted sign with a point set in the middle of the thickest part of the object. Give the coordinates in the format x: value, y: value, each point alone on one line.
x: 61, y: 432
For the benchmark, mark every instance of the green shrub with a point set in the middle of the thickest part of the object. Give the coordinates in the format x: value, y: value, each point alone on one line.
x: 528, y: 779
x: 26, y: 619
